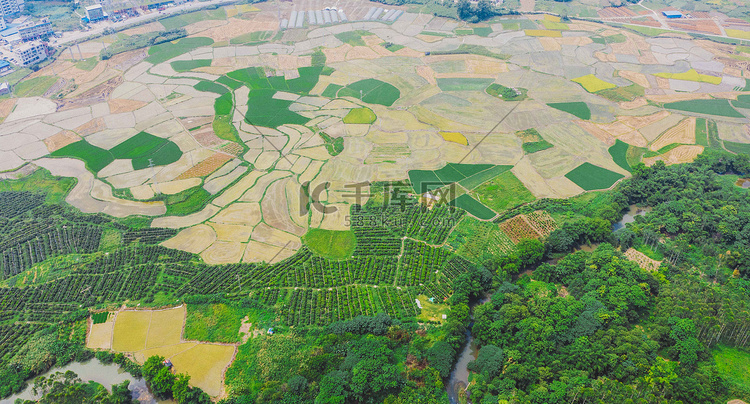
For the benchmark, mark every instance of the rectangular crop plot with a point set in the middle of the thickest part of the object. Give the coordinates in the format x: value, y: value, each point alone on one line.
x: 590, y: 177
x: 481, y: 177
x: 99, y: 318
x: 331, y: 90
x: 739, y: 148
x: 518, y: 228
x: 463, y: 84
x: 579, y: 109
x: 718, y: 107
x: 167, y: 50
x: 187, y: 65
x: 474, y: 207
x: 424, y: 181
x: 131, y: 330
x: 593, y: 84
x: 503, y: 192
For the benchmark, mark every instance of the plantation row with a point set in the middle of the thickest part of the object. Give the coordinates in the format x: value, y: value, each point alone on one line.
x: 304, y: 306
x: 148, y: 235
x: 12, y: 336
x: 420, y: 263
x: 321, y: 272
x: 414, y: 220
x: 14, y: 203
x: 117, y: 260
x: 56, y: 241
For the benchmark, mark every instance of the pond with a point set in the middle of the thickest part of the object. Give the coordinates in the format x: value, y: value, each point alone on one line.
x: 459, y: 377
x: 93, y: 370
x: 629, y: 217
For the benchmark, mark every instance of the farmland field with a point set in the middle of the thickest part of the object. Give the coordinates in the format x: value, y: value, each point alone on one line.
x: 591, y: 177
x: 300, y: 206
x: 717, y: 107
x: 579, y: 109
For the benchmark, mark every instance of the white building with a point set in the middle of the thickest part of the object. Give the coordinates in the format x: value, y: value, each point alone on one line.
x: 95, y: 13
x: 11, y: 7
x: 4, y: 88
x: 35, y: 30
x: 30, y: 53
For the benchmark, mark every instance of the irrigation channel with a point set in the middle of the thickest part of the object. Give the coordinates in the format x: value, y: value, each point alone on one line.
x: 93, y: 370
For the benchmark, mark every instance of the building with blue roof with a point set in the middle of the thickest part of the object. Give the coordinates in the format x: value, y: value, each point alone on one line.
x: 672, y: 14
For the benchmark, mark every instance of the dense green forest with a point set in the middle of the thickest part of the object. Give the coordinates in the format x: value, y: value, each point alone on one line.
x: 564, y: 319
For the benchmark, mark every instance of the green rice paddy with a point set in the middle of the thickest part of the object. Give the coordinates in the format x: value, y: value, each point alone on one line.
x: 578, y: 108
x: 372, y: 91
x: 474, y: 207
x: 187, y: 65
x: 619, y: 153
x: 591, y: 177
x: 463, y: 84
x: 718, y: 107
x: 167, y: 50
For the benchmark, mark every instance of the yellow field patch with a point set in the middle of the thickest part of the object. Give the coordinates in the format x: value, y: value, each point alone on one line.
x: 455, y: 137
x: 736, y: 33
x: 543, y: 32
x: 131, y: 331
x: 593, y: 84
x: 146, y: 333
x: 205, y: 363
x: 166, y: 327
x: 691, y: 75
x: 100, y: 336
x: 552, y: 18
x: 683, y: 132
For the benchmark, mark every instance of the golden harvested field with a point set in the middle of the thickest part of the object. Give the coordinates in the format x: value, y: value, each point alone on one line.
x: 683, y: 132
x: 131, y: 330
x: 146, y: 333
x: 60, y: 140
x: 455, y: 137
x: 642, y: 260
x: 206, y: 166
x: 680, y: 154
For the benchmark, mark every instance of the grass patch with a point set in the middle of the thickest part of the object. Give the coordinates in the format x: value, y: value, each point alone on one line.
x: 532, y: 141
x: 464, y: 31
x: 733, y: 364
x: 334, y: 145
x: 353, y: 38
x: 94, y: 157
x: 433, y: 33
x: 35, y: 87
x: 331, y: 90
x: 432, y: 311
x: 503, y: 192
x: 213, y: 323
x: 165, y: 51
x: 482, y: 31
x: 634, y: 155
x: 87, y: 64
x: 593, y: 84
x: 561, y: 26
x: 701, y: 132
x: 662, y: 150
x: 623, y: 94
x: 372, y: 91
x: 507, y: 93
x: 55, y: 188
x: 393, y: 47
x: 591, y: 177
x: 718, y: 107
x: 619, y: 152
x: 474, y: 207
x: 713, y: 134
x: 691, y: 75
x: 233, y: 84
x: 463, y: 84
x: 186, y: 202
x: 360, y: 115
x: 257, y: 36
x: 184, y: 20
x: 224, y: 105
x: 332, y: 244
x: 469, y: 176
x: 617, y: 38
x: 533, y: 147
x: 210, y: 87
x: 224, y: 128
x: 647, y: 31
x: 577, y: 108
x: 735, y: 147
x: 187, y: 65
